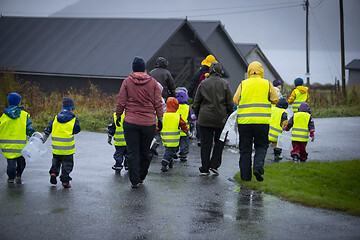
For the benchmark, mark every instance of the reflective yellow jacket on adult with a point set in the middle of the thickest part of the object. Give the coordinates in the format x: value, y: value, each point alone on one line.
x: 119, y: 138
x: 63, y: 141
x: 254, y: 97
x: 170, y: 132
x: 13, y: 135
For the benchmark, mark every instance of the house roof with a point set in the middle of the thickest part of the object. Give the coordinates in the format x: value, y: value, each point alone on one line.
x: 354, y: 64
x: 245, y: 48
x: 99, y: 47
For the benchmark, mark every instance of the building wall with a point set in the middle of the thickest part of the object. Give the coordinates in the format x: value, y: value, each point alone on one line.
x: 254, y: 56
x: 354, y: 77
x: 228, y: 57
x: 48, y: 83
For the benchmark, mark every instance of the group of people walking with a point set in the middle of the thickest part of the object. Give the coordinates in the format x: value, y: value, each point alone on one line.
x: 148, y: 106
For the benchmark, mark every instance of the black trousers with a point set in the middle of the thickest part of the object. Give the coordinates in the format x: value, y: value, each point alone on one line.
x: 66, y: 162
x: 138, y: 140
x: 208, y: 135
x: 249, y: 134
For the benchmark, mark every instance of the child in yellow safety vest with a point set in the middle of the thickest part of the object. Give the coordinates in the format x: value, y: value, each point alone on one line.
x: 299, y: 94
x: 170, y: 132
x: 302, y: 126
x: 63, y: 127
x: 188, y: 116
x: 278, y: 122
x: 120, y: 154
x: 15, y: 125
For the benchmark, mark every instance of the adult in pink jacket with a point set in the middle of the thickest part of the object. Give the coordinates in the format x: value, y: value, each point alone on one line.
x: 140, y: 98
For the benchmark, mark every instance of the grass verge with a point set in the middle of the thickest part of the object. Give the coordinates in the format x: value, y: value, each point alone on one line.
x: 330, y: 185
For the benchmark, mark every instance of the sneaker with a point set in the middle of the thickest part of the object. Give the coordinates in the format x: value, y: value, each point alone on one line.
x: 258, y: 175
x: 164, y: 168
x: 183, y: 159
x: 18, y: 178
x: 277, y: 157
x: 198, y: 143
x: 53, y: 178
x: 135, y: 185
x: 11, y: 180
x: 171, y: 163
x: 117, y: 168
x: 295, y: 159
x: 66, y: 185
x: 126, y: 168
x: 215, y: 171
x: 204, y: 173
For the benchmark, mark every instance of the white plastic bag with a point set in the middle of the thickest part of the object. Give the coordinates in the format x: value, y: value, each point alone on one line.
x: 284, y: 140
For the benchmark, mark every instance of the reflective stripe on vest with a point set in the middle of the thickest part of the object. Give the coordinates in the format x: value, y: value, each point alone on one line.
x: 300, y: 98
x: 119, y: 138
x: 300, y: 130
x: 170, y: 132
x: 275, y: 128
x: 184, y: 110
x: 63, y: 142
x: 254, y: 106
x: 13, y: 135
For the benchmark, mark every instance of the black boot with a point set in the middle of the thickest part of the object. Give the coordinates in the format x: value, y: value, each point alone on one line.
x: 277, y: 154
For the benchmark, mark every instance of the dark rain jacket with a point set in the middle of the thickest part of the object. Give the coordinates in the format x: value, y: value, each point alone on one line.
x: 213, y: 100
x: 163, y: 76
x: 196, y: 79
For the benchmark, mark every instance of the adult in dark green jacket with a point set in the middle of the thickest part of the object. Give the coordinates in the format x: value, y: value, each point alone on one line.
x: 212, y: 106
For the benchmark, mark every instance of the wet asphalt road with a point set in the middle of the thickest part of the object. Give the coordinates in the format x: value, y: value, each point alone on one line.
x: 178, y: 204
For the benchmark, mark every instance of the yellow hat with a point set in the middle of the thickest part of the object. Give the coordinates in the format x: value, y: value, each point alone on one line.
x: 208, y: 60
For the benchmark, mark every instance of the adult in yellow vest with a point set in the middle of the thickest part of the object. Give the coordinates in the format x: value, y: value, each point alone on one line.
x: 278, y: 121
x: 302, y: 126
x: 299, y: 95
x: 63, y: 127
x: 15, y: 125
x: 254, y: 97
x: 212, y: 106
x: 170, y: 132
x: 117, y: 133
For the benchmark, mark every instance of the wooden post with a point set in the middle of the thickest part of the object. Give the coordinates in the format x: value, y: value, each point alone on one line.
x: 342, y: 48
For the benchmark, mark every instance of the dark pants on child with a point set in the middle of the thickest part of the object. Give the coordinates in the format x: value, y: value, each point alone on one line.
x: 168, y: 155
x: 119, y: 156
x: 184, y: 146
x: 66, y: 162
x: 15, y: 166
x: 249, y: 134
x: 138, y: 140
x: 208, y: 136
x: 299, y: 149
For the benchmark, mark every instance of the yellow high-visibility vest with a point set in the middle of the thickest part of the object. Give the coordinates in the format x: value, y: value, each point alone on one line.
x: 170, y: 132
x: 275, y: 128
x: 119, y: 138
x: 13, y: 135
x: 300, y: 98
x: 300, y: 129
x: 63, y: 142
x: 184, y: 110
x: 254, y: 106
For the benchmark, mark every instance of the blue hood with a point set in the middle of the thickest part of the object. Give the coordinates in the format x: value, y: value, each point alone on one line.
x: 14, y: 111
x: 65, y: 116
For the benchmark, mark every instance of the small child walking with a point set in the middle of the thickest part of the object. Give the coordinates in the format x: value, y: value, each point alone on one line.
x: 299, y: 94
x: 120, y: 154
x: 63, y: 127
x: 188, y: 116
x: 15, y: 125
x: 170, y: 132
x: 302, y: 126
x: 278, y: 122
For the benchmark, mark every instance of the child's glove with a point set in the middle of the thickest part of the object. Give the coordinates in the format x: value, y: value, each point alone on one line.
x: 312, y: 139
x: 118, y: 121
x: 44, y: 137
x: 312, y: 136
x: 160, y: 126
x: 109, y: 139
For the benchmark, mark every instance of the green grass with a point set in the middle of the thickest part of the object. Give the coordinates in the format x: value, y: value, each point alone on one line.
x: 330, y: 185
x: 335, y: 111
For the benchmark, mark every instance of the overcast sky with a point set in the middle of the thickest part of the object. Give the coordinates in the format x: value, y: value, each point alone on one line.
x: 278, y: 26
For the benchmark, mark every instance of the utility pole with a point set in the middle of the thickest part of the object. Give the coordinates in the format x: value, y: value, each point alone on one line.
x: 307, y: 44
x: 342, y: 48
